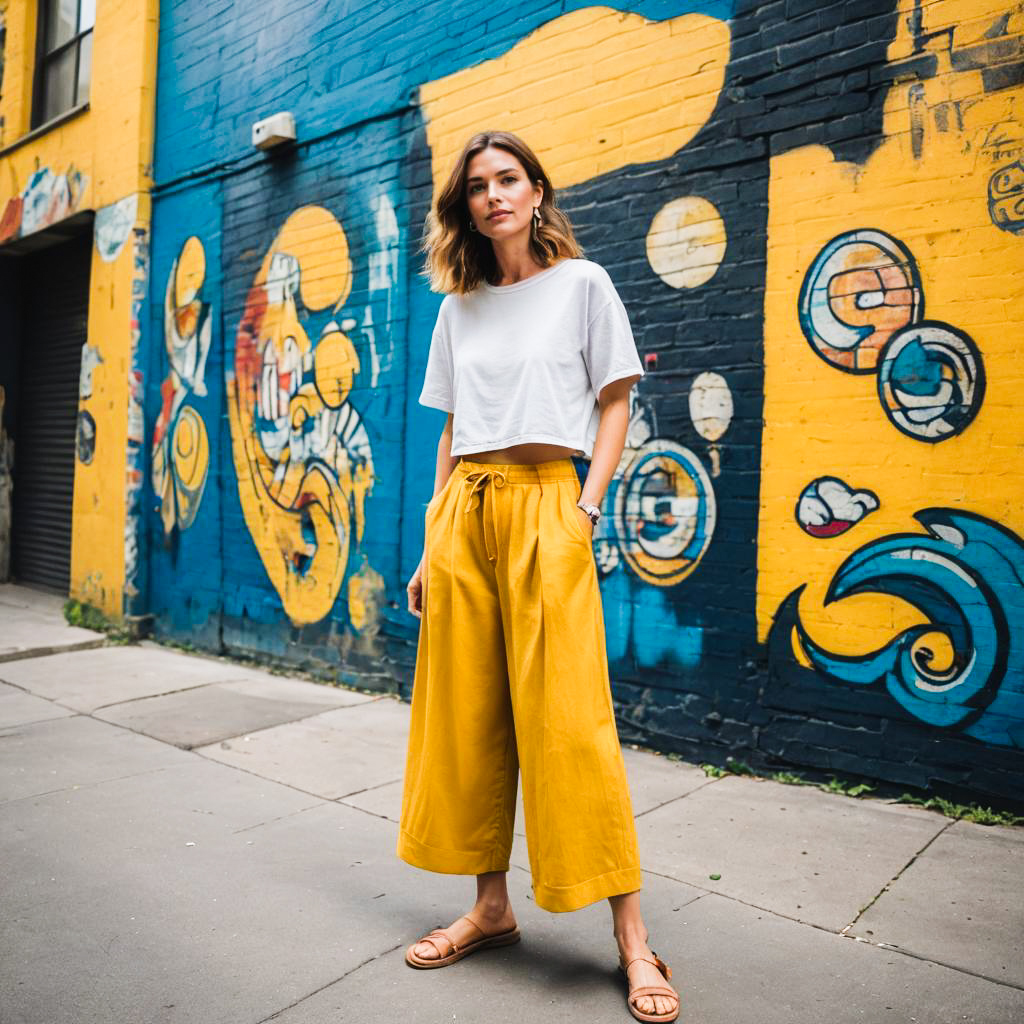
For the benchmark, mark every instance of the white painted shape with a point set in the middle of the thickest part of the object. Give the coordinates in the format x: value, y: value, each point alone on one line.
x: 711, y: 407
x: 686, y: 242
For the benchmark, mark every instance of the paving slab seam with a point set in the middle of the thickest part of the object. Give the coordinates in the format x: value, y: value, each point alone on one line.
x: 254, y: 665
x: 42, y: 721
x: 281, y: 817
x: 18, y: 686
x: 885, y: 888
x: 745, y: 903
x: 372, y: 814
x: 267, y: 778
x: 368, y: 789
x: 938, y: 963
x: 206, y: 743
x: 88, y: 785
x: 335, y: 981
x: 272, y: 725
x: 45, y: 652
x: 370, y: 697
x: 682, y: 796
x: 148, y: 696
x: 843, y: 934
x: 193, y: 751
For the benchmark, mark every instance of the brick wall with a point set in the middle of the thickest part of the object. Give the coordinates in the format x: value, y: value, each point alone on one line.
x: 808, y: 210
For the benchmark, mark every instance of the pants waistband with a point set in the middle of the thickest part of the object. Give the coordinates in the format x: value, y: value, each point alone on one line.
x: 519, y: 473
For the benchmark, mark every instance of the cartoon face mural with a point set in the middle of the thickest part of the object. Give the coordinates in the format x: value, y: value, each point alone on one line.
x: 302, y: 454
x: 181, y: 446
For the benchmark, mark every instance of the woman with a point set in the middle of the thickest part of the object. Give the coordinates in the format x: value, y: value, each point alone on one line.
x: 533, y: 359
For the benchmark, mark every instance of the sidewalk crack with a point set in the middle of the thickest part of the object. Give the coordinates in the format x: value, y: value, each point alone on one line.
x: 682, y: 796
x: 335, y: 981
x: 885, y: 888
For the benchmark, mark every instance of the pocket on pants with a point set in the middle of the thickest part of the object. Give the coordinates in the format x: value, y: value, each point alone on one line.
x: 437, y: 498
x: 574, y: 515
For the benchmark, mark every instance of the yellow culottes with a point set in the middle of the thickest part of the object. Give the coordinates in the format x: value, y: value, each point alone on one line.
x: 512, y: 674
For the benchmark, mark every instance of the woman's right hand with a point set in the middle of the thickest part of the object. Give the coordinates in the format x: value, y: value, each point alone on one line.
x: 416, y: 590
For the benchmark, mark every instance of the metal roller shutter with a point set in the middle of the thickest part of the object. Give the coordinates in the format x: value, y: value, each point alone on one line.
x: 55, y: 288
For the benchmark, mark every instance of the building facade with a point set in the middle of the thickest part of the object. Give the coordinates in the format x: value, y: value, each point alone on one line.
x: 76, y: 137
x: 811, y: 554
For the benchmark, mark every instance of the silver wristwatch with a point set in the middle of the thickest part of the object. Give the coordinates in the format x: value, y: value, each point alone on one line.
x: 592, y: 510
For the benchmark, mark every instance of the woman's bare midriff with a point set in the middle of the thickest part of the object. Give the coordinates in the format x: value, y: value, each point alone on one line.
x: 522, y: 454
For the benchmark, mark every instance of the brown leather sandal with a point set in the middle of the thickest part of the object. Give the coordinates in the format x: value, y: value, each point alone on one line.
x: 650, y: 990
x: 439, y: 935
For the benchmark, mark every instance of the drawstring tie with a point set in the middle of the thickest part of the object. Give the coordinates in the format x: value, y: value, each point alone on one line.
x: 476, y: 486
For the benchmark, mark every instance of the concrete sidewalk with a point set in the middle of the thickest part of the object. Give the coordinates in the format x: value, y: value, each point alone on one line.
x: 184, y: 839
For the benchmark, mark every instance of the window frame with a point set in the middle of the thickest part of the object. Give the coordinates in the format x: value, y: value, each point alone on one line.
x: 44, y: 59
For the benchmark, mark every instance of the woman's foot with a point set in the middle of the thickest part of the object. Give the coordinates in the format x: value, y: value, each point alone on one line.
x: 491, y: 921
x: 642, y: 972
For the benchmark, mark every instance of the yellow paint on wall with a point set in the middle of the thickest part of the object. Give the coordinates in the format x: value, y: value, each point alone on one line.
x: 98, y: 507
x: 104, y: 155
x: 304, y: 502
x: 590, y: 91
x: 927, y: 185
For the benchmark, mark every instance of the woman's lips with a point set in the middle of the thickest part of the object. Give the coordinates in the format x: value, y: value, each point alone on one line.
x: 502, y: 213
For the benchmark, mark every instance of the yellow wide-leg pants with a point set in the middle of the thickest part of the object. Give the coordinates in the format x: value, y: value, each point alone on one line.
x: 512, y: 674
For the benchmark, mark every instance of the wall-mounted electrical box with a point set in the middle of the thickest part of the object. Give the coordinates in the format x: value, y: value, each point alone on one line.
x: 274, y: 130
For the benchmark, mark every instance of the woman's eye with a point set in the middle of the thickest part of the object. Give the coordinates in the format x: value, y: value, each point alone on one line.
x: 508, y: 179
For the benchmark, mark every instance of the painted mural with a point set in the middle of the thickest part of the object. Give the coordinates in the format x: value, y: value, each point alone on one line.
x: 46, y: 198
x: 817, y: 247
x: 933, y: 619
x: 963, y: 667
x: 302, y: 454
x: 181, y: 445
x: 861, y: 309
x: 828, y: 507
x: 135, y: 434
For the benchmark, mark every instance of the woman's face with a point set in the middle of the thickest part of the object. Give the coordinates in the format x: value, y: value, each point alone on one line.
x: 499, y: 194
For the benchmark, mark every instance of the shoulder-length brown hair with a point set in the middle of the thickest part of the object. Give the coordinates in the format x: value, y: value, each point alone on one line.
x: 459, y: 259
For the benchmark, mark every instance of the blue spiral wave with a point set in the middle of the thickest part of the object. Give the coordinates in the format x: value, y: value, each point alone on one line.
x: 966, y: 575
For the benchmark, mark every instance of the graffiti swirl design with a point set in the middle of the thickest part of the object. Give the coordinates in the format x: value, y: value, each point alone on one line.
x: 181, y: 446
x: 862, y: 287
x: 931, y: 381
x: 665, y: 512
x: 964, y: 668
x: 861, y: 307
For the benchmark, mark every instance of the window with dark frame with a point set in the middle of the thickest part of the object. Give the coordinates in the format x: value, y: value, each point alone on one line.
x: 64, y: 57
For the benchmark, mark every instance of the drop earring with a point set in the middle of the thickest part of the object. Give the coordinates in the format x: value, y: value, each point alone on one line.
x: 472, y: 226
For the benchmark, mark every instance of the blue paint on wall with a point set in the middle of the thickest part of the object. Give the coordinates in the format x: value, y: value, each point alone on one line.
x: 967, y: 577
x: 186, y: 568
x: 687, y: 652
x: 333, y: 64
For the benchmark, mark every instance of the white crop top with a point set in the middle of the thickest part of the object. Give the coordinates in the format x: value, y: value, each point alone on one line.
x: 525, y: 362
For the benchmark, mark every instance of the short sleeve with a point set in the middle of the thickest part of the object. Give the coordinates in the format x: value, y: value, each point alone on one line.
x: 610, y: 350
x: 437, y: 389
